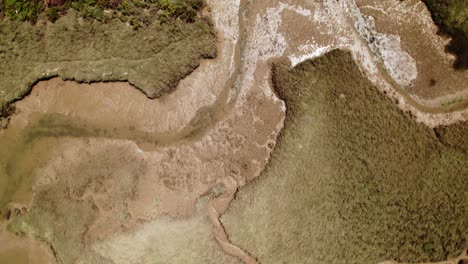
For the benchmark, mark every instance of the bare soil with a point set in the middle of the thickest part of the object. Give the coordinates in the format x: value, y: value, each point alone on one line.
x: 23, y: 250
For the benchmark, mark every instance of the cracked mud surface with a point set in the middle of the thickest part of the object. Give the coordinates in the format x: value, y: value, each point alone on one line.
x: 99, y: 173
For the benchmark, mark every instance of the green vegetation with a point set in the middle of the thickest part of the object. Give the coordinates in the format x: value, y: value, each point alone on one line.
x: 23, y: 10
x: 454, y: 136
x: 353, y: 179
x: 136, y: 12
x: 452, y: 18
x: 153, y: 58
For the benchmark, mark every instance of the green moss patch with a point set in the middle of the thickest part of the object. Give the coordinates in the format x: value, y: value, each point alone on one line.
x: 353, y: 178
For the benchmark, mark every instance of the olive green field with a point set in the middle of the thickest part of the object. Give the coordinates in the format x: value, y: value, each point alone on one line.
x: 353, y: 179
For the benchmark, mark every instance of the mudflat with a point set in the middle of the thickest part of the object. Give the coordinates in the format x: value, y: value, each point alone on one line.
x: 173, y: 131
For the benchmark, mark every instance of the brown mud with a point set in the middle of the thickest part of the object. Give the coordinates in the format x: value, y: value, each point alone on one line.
x: 409, y: 23
x: 23, y: 250
x: 119, y: 171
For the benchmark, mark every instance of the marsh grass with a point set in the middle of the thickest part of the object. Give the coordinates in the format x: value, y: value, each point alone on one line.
x: 353, y: 179
x: 153, y: 58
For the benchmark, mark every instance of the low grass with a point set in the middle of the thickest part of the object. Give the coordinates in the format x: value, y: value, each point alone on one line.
x: 23, y: 10
x: 452, y: 18
x: 126, y: 10
x: 454, y: 136
x: 153, y: 58
x: 353, y: 179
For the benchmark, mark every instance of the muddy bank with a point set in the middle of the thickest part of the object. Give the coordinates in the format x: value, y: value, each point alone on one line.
x: 353, y: 180
x: 302, y: 30
x: 423, y: 68
x: 5, y: 115
x: 102, y: 187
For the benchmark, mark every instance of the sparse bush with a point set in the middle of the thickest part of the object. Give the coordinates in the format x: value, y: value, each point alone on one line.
x: 23, y: 10
x: 88, y: 8
x: 53, y: 13
x: 128, y: 10
x: 135, y: 23
x: 197, y: 4
x: 452, y: 18
x: 185, y: 10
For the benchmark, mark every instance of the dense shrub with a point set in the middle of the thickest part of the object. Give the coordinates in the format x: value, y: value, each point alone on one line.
x: 53, y: 13
x: 23, y: 10
x: 452, y: 18
x: 132, y: 11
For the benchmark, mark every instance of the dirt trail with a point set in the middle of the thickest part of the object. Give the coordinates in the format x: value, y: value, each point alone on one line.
x: 216, y: 208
